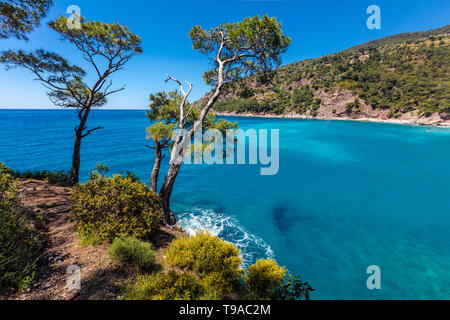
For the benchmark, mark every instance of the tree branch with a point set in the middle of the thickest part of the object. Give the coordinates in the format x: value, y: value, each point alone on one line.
x: 90, y: 131
x: 183, y: 118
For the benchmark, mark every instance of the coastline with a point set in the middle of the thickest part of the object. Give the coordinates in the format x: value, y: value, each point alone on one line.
x: 414, y: 122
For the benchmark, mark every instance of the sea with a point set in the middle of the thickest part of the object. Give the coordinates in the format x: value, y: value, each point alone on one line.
x: 347, y: 196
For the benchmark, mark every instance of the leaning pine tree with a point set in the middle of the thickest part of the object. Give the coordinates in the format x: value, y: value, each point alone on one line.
x: 236, y: 50
x: 105, y: 47
x: 165, y: 113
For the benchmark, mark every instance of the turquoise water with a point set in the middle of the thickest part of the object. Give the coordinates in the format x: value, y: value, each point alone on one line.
x: 348, y: 195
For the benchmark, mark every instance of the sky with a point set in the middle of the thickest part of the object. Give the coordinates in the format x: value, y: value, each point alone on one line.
x: 317, y: 28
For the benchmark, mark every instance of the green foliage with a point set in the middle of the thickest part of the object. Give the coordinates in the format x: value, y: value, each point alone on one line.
x: 401, y: 74
x: 245, y: 105
x: 161, y: 132
x: 408, y: 37
x: 168, y: 285
x: 105, y: 47
x: 114, y: 43
x: 133, y: 251
x: 400, y: 77
x: 60, y: 178
x: 264, y: 277
x: 104, y: 169
x: 303, y: 100
x: 352, y: 105
x: 20, y: 243
x: 132, y: 175
x: 108, y: 208
x: 205, y: 268
x: 165, y: 106
x: 55, y: 71
x: 250, y: 46
x: 246, y: 92
x: 216, y: 261
x: 95, y: 36
x: 294, y: 289
x: 164, y: 114
x: 101, y: 168
x: 17, y: 18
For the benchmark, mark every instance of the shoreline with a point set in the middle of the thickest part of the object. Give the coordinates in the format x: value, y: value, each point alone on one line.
x: 415, y: 122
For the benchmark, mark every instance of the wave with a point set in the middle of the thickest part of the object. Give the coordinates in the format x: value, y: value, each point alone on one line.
x: 228, y: 229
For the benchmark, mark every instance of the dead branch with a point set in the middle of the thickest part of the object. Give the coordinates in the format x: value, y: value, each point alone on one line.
x: 91, y: 130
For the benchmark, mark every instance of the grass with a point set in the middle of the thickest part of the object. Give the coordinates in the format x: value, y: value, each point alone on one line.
x: 134, y: 251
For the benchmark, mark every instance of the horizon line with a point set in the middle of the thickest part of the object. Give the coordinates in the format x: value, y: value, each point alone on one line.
x: 73, y: 109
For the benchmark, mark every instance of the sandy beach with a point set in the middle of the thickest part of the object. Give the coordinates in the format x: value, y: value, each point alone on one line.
x: 434, y: 121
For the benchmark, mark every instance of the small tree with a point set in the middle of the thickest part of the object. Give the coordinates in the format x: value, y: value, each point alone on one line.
x: 19, y: 17
x: 165, y: 113
x: 236, y: 50
x: 106, y: 47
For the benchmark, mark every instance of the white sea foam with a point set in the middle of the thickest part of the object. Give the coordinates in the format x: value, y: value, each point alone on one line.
x: 228, y: 229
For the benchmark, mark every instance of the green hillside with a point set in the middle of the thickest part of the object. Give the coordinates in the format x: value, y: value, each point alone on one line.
x: 396, y: 75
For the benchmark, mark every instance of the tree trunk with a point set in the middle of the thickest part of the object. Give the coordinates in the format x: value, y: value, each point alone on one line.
x: 156, y: 167
x: 178, y: 150
x: 75, y: 171
x: 166, y: 193
x: 178, y: 155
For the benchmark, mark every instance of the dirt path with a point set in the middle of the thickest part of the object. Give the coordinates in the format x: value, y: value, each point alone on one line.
x: 100, y: 278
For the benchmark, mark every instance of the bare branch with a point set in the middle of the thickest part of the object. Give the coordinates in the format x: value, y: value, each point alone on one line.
x: 222, y: 46
x: 183, y: 118
x: 113, y: 91
x: 90, y: 131
x: 177, y: 81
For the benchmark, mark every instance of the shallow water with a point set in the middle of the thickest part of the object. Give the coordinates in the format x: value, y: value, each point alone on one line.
x: 348, y: 195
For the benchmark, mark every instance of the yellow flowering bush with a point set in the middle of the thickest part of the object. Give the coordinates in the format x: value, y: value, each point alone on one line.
x: 108, y: 208
x: 216, y: 261
x: 264, y: 277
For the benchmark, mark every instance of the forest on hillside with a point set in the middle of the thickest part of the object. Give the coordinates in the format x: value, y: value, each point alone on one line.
x: 402, y: 73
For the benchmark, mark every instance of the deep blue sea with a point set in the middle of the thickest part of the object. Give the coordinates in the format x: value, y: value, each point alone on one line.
x: 348, y: 195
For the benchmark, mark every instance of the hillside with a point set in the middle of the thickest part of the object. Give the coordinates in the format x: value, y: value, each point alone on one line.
x: 404, y: 78
x: 102, y: 278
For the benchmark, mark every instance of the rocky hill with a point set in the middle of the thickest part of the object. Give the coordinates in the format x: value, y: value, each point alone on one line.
x: 401, y: 78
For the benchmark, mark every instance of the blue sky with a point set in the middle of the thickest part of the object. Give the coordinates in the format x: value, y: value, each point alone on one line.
x: 316, y: 27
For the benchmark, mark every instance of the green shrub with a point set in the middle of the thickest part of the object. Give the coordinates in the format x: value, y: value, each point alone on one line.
x: 134, y: 251
x: 108, y: 208
x: 293, y: 289
x: 60, y: 178
x: 168, y: 285
x: 216, y: 261
x: 264, y: 277
x: 20, y: 243
x: 349, y: 107
x: 132, y: 175
x: 101, y: 168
